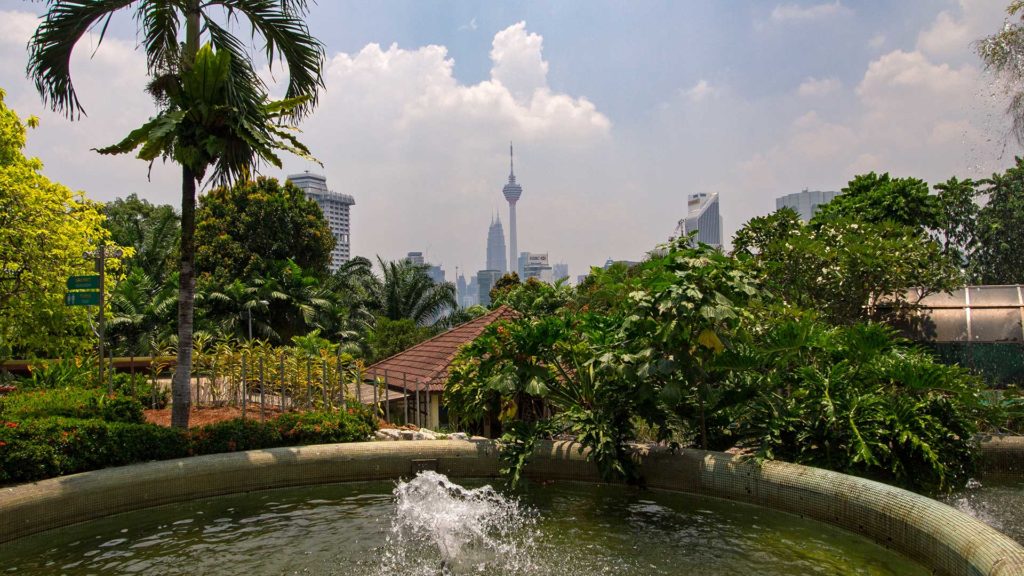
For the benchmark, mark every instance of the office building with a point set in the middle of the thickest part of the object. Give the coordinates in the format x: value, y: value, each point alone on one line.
x: 335, y: 207
x: 496, y: 246
x: 436, y: 273
x: 703, y: 217
x: 512, y: 191
x: 415, y: 258
x: 560, y: 271
x: 485, y: 280
x: 805, y: 203
x: 536, y: 266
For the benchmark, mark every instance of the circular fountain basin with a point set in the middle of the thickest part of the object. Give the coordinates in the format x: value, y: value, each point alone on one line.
x: 357, y: 529
x: 941, y: 539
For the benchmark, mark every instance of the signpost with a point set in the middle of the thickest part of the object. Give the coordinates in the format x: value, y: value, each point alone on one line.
x: 82, y: 299
x: 88, y: 290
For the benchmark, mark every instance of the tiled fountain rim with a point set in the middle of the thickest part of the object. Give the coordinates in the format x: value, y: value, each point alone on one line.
x: 937, y: 536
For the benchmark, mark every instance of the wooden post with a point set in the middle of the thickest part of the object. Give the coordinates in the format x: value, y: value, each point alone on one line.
x: 309, y: 375
x: 282, y: 381
x: 405, y: 399
x: 387, y: 404
x: 244, y: 391
x: 323, y: 381
x: 341, y: 381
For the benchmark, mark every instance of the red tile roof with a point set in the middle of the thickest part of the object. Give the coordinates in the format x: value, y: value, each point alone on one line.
x: 425, y: 365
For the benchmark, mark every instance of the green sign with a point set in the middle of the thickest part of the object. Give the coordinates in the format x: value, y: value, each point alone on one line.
x: 91, y: 282
x: 82, y: 299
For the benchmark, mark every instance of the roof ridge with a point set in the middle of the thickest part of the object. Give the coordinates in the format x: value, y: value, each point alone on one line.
x: 496, y: 313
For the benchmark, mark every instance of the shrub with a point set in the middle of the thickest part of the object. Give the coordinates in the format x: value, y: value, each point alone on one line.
x: 234, y: 435
x: 72, y: 403
x: 325, y: 427
x: 60, y: 374
x: 45, y: 447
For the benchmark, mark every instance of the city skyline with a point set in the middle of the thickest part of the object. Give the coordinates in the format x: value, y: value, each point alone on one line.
x: 619, y: 112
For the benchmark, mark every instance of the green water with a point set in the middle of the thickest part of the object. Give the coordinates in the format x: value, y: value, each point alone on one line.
x: 577, y: 530
x: 999, y: 502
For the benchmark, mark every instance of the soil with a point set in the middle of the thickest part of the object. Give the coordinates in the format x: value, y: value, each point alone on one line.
x: 207, y: 415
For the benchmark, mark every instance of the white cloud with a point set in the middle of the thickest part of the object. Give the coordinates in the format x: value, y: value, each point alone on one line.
x: 700, y: 91
x: 798, y: 13
x: 471, y: 25
x: 876, y: 41
x: 518, y: 63
x: 817, y: 87
x: 427, y: 155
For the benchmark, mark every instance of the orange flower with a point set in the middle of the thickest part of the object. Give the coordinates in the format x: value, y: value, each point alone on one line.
x: 2, y: 443
x: 12, y: 424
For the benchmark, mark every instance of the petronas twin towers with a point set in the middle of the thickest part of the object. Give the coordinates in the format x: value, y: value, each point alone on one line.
x: 496, y: 235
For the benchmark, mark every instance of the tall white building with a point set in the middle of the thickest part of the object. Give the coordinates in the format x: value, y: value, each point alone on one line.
x: 335, y: 207
x: 560, y: 271
x: 805, y: 203
x: 703, y: 217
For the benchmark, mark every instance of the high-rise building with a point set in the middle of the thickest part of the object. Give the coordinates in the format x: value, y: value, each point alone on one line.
x: 512, y: 192
x: 560, y: 271
x: 460, y: 288
x: 415, y: 258
x: 436, y: 273
x: 703, y: 217
x: 485, y: 280
x: 496, y: 246
x: 805, y: 203
x: 472, y: 296
x: 335, y: 207
x: 536, y: 266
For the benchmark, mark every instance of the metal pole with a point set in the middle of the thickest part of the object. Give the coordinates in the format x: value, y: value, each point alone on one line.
x: 100, y: 261
x: 263, y: 384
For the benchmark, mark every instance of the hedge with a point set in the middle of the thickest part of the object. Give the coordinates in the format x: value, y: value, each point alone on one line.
x: 80, y: 403
x: 37, y: 448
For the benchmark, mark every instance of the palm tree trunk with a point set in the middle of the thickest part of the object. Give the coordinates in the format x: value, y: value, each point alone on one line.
x: 181, y: 390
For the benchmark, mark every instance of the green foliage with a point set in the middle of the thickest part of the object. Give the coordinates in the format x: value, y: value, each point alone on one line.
x: 844, y: 269
x: 152, y: 231
x: 244, y: 231
x: 533, y: 297
x: 44, y: 229
x: 79, y: 403
x: 861, y: 401
x: 34, y: 449
x: 873, y: 199
x: 60, y: 373
x: 389, y: 337
x: 999, y: 255
x: 404, y: 290
x: 502, y: 286
x: 1002, y: 53
x: 300, y: 428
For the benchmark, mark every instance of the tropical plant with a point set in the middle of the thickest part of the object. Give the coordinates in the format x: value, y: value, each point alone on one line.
x: 998, y: 256
x: 141, y: 313
x: 404, y: 290
x: 152, y: 231
x: 1003, y: 54
x: 44, y: 229
x: 214, y: 113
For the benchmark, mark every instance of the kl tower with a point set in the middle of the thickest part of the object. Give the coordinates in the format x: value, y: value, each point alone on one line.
x: 512, y: 192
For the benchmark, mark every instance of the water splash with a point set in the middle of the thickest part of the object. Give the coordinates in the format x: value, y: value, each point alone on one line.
x: 440, y: 527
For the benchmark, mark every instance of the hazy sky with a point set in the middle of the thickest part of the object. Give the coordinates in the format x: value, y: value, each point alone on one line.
x: 618, y: 110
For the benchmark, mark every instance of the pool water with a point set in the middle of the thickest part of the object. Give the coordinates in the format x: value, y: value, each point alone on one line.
x: 437, y: 527
x: 997, y: 501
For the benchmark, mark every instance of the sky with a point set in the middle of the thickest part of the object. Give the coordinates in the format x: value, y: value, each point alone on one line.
x: 617, y: 109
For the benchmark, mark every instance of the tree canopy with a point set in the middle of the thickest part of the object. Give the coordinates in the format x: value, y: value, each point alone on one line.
x: 247, y: 230
x: 44, y: 229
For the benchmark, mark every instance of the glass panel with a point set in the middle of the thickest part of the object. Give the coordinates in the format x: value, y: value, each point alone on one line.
x: 995, y: 325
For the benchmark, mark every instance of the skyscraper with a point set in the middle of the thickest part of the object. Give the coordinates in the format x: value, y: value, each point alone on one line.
x: 335, y: 207
x: 805, y: 203
x: 704, y: 218
x: 512, y: 192
x: 496, y: 246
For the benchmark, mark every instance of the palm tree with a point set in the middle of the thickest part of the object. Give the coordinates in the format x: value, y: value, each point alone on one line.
x: 237, y: 309
x: 406, y: 291
x: 214, y: 111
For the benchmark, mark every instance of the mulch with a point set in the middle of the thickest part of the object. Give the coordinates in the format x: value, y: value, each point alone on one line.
x: 199, y: 416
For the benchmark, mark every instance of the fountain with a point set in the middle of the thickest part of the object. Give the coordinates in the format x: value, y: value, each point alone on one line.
x: 430, y: 525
